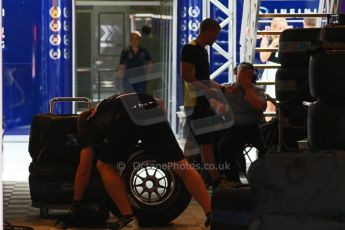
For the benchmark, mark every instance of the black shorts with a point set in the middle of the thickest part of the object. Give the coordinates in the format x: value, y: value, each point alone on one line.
x: 201, y: 120
x: 124, y: 133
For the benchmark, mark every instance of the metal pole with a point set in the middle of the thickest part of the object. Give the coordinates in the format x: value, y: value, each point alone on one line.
x: 232, y: 38
x: 1, y: 116
x: 73, y: 54
x: 173, y: 94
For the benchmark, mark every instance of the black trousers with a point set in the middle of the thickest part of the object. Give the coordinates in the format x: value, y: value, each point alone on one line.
x: 230, y: 147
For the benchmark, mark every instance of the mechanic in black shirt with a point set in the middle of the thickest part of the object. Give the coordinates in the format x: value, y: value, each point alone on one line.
x: 135, y: 64
x: 111, y: 131
x: 200, y: 98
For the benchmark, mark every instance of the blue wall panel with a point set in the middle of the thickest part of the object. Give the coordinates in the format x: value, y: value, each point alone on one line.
x: 19, y: 82
x: 30, y: 75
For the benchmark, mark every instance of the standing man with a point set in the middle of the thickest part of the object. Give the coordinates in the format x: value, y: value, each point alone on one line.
x: 135, y: 64
x: 200, y: 91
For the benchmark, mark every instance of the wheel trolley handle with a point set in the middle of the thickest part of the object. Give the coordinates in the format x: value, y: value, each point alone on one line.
x: 68, y: 99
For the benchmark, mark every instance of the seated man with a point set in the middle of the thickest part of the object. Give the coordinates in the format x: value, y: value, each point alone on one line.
x: 248, y: 103
x: 111, y: 132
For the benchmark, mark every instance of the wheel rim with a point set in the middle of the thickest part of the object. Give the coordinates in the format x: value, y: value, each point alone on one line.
x: 151, y: 185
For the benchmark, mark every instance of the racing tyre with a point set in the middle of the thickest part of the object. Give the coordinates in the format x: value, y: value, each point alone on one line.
x: 292, y: 85
x: 326, y: 77
x: 157, y: 195
x: 326, y: 126
x: 295, y: 46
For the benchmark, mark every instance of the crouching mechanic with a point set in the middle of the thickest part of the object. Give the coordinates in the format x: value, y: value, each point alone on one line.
x: 110, y: 133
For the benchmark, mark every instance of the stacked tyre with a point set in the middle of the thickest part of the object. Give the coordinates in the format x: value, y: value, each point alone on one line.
x: 326, y: 117
x: 292, y: 87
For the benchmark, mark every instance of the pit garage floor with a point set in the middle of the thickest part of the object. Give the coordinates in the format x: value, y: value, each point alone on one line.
x: 18, y: 211
x: 17, y: 202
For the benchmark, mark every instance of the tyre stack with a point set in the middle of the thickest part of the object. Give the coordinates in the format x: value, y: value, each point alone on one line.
x: 292, y: 83
x: 232, y: 208
x: 326, y: 117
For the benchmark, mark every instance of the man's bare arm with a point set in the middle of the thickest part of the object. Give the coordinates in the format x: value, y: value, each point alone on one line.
x: 188, y: 75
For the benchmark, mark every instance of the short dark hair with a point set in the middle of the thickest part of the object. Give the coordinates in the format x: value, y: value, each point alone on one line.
x: 248, y: 66
x: 209, y: 23
x: 145, y: 29
x: 245, y: 65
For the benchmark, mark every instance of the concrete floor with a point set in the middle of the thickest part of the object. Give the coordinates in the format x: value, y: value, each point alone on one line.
x: 18, y: 211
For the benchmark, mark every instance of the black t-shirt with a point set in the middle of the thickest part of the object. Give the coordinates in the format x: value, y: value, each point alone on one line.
x: 273, y: 58
x: 94, y: 128
x: 134, y: 62
x: 197, y: 55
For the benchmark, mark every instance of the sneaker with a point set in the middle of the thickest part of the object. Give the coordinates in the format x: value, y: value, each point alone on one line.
x: 119, y: 223
x: 71, y: 218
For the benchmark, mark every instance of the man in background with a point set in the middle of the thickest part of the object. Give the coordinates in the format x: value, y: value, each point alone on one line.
x: 309, y: 22
x: 135, y: 64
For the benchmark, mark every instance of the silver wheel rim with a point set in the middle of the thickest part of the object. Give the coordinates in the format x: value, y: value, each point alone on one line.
x: 151, y: 185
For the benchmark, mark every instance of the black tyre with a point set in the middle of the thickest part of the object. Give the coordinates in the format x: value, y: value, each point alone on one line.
x: 54, y: 185
x: 157, y: 195
x: 35, y: 145
x: 326, y: 126
x: 292, y: 85
x: 333, y: 37
x: 241, y: 201
x: 295, y: 45
x: 327, y: 79
x: 60, y: 133
x: 294, y: 114
x: 294, y: 124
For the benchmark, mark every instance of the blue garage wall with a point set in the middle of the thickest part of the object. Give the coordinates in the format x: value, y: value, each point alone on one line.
x: 30, y: 75
x: 19, y: 81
